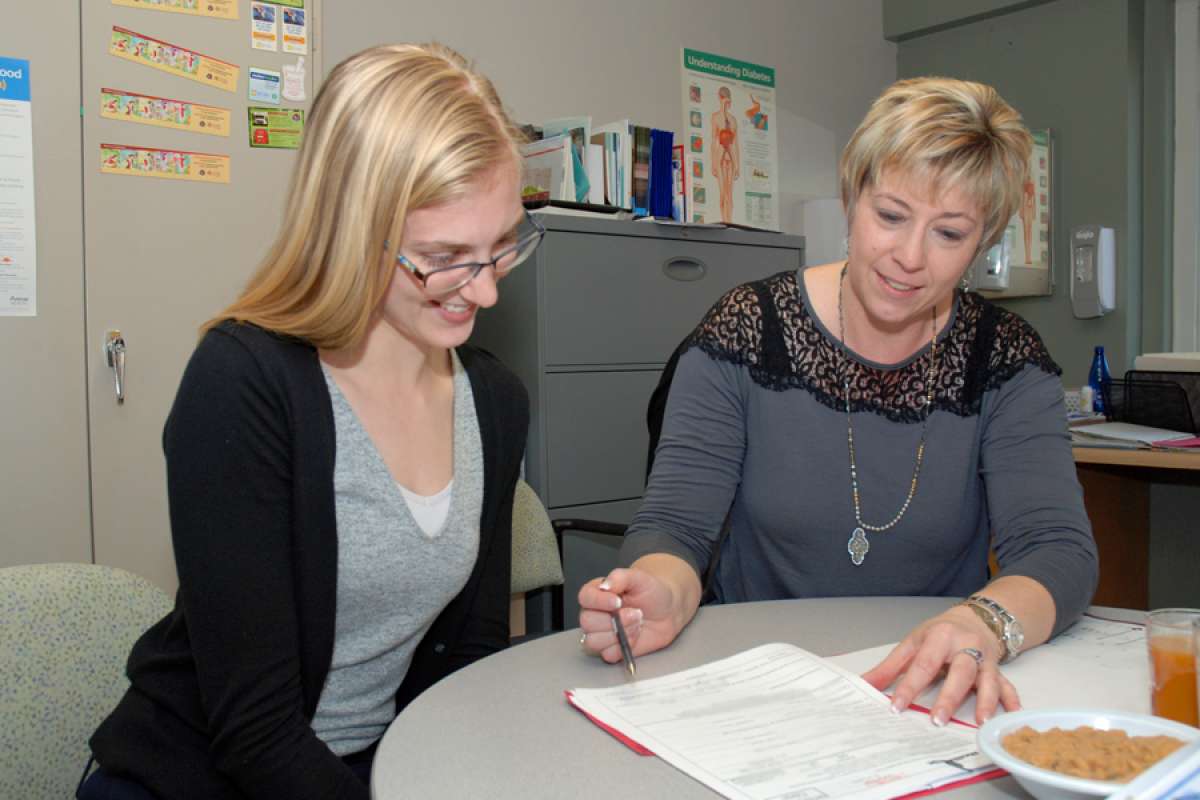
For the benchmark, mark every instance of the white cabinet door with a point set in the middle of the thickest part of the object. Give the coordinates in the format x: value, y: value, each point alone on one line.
x: 162, y: 257
x: 43, y: 410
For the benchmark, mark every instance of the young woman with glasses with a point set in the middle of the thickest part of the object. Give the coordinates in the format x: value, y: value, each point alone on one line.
x: 340, y: 464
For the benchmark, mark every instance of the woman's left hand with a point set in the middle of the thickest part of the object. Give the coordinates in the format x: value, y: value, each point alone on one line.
x: 947, y: 643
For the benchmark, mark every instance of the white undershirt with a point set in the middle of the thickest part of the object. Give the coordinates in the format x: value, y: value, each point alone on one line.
x: 429, y: 511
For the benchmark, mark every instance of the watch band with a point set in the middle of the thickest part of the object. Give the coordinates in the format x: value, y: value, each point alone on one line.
x: 1006, y: 626
x: 993, y: 622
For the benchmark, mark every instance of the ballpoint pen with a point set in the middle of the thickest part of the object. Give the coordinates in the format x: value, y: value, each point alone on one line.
x: 623, y: 641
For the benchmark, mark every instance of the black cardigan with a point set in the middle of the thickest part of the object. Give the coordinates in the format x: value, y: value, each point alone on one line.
x: 223, y: 689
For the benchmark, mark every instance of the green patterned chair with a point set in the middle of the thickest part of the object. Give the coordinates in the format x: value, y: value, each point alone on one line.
x: 537, y: 549
x: 535, y: 561
x: 65, y: 633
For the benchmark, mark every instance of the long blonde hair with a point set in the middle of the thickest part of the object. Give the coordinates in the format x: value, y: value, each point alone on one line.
x: 394, y: 129
x: 950, y: 133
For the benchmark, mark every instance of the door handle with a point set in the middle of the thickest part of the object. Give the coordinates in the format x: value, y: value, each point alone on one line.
x: 114, y: 354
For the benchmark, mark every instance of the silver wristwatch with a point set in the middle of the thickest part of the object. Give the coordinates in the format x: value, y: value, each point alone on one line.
x: 1002, y: 623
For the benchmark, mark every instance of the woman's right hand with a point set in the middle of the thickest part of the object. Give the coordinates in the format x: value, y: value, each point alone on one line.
x: 646, y: 605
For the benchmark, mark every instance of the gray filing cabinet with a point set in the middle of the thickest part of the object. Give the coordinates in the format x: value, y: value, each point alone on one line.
x: 587, y: 325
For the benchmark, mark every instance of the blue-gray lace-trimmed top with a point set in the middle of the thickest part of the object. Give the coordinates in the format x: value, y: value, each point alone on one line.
x: 755, y: 431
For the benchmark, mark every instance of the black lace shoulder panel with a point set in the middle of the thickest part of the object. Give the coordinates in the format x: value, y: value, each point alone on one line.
x: 766, y: 327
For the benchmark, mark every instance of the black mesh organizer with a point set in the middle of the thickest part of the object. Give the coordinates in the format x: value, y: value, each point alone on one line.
x: 1168, y: 400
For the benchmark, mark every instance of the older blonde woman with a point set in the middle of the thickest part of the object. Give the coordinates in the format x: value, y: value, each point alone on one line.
x: 868, y: 428
x: 340, y: 465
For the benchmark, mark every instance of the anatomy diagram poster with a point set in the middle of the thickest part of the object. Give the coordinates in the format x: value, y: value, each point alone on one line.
x: 732, y: 157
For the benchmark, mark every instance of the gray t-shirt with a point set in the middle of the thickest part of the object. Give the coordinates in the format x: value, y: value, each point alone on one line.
x: 755, y: 426
x: 393, y: 579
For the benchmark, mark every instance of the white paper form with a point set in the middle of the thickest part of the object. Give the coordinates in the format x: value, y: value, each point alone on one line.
x: 1096, y: 663
x: 18, y: 235
x: 778, y: 721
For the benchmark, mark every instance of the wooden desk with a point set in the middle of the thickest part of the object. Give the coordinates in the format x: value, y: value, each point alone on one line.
x: 1152, y: 459
x: 1116, y: 491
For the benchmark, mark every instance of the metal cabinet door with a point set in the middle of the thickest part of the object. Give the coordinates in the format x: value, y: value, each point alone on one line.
x: 162, y: 257
x: 43, y: 414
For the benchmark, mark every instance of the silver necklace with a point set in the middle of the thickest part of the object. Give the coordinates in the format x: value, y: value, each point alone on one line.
x: 857, y: 545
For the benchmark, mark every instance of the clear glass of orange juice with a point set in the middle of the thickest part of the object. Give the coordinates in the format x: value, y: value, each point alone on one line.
x: 1196, y: 652
x: 1169, y: 635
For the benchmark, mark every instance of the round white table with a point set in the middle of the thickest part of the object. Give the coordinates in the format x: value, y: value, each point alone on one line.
x: 502, y: 728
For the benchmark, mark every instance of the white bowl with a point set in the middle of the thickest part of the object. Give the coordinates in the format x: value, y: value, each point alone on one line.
x: 1046, y: 784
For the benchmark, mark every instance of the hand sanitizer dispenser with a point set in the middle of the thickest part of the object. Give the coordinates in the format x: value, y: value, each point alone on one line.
x: 1093, y: 271
x: 989, y: 272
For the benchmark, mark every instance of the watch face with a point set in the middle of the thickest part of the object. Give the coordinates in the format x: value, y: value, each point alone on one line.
x: 1015, y: 637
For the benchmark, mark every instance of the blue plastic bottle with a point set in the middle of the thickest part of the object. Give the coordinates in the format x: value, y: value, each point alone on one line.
x: 1099, y: 379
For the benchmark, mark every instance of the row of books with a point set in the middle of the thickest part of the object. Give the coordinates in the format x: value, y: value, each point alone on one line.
x: 620, y: 164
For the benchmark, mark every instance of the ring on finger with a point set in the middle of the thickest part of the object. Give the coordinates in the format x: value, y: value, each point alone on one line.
x: 975, y: 654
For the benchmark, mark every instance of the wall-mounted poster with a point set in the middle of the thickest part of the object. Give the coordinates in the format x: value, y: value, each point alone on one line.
x: 222, y: 9
x: 18, y: 233
x: 729, y: 129
x: 151, y: 162
x: 127, y: 106
x: 1020, y: 265
x: 167, y: 57
x: 1031, y: 247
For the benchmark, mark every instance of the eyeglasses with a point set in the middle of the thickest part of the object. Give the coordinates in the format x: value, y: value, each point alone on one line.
x: 445, y: 279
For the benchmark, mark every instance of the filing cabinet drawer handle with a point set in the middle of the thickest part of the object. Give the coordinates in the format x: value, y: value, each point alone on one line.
x: 684, y: 269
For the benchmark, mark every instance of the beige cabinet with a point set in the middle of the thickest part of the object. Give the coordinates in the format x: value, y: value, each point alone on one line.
x: 44, y: 504
x: 81, y: 474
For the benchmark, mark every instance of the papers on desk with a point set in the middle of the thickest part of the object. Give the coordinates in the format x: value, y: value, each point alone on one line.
x: 1124, y: 434
x: 1096, y: 663
x: 777, y: 721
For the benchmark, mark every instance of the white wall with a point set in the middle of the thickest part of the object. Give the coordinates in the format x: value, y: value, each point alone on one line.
x: 613, y: 59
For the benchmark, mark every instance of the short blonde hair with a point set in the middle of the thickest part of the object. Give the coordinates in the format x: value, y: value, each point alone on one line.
x: 947, y: 132
x: 393, y: 129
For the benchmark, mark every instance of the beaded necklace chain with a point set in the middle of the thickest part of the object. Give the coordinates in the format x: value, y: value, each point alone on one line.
x: 857, y: 545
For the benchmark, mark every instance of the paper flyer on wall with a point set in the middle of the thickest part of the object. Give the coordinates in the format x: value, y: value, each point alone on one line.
x: 295, y: 30
x: 293, y: 81
x: 151, y: 162
x: 263, y: 85
x: 167, y: 57
x: 18, y: 236
x: 279, y: 128
x: 732, y: 152
x: 264, y: 27
x: 120, y: 104
x: 222, y: 9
